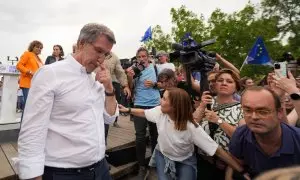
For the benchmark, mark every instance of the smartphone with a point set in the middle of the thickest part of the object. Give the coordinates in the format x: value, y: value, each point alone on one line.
x: 208, y: 106
x: 280, y: 69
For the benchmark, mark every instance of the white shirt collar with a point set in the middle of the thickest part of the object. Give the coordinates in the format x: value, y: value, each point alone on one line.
x: 76, y: 65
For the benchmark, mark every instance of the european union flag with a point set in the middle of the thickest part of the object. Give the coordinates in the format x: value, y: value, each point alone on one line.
x: 147, y: 36
x: 258, y: 54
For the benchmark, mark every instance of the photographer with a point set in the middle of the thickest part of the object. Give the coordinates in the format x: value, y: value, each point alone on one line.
x: 145, y: 97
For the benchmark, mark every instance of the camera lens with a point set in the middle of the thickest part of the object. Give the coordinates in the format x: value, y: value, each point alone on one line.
x: 277, y: 66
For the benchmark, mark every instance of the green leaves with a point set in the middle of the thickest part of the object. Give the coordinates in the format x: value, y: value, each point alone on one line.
x: 236, y: 32
x: 288, y: 14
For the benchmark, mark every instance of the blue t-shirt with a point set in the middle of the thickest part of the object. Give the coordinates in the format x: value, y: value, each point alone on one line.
x: 244, y: 146
x: 146, y: 96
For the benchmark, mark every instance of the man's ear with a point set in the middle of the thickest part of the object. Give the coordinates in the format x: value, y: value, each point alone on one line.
x: 280, y: 114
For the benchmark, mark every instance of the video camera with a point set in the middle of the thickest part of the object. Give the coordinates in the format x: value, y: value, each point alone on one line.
x: 194, y: 59
x: 137, y: 67
x: 191, y: 55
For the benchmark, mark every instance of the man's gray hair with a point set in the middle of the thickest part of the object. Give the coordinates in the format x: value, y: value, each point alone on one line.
x: 90, y: 32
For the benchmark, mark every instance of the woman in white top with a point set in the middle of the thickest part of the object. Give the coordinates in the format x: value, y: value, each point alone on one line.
x: 178, y: 133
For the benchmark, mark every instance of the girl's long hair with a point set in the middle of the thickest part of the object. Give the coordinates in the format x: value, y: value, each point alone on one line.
x: 182, y: 108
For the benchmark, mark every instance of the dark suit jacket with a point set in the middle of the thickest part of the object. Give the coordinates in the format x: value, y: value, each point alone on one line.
x: 51, y: 59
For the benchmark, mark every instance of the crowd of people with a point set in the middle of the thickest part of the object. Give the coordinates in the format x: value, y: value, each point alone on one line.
x: 233, y: 130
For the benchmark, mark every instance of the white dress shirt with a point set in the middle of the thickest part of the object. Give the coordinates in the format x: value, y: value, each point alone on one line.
x: 63, y: 123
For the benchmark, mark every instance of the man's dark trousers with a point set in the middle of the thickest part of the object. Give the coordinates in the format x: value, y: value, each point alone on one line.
x: 98, y: 172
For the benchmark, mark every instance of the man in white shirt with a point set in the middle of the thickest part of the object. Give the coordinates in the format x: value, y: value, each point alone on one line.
x: 62, y: 133
x: 163, y: 63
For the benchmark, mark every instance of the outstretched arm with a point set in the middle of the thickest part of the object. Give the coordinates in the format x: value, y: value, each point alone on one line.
x: 223, y: 155
x: 133, y: 111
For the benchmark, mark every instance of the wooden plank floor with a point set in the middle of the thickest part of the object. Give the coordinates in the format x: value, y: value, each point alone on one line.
x: 118, y: 138
x: 121, y: 137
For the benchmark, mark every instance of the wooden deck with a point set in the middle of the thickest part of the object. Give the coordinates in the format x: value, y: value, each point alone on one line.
x: 118, y: 138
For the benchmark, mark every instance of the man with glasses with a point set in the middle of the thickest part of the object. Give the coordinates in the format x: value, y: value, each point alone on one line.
x: 264, y: 143
x: 62, y: 134
x: 163, y: 63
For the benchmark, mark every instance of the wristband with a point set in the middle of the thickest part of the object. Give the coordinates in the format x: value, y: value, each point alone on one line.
x: 129, y: 110
x: 110, y: 94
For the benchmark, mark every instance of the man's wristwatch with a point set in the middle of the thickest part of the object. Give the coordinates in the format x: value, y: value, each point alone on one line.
x: 219, y: 122
x: 110, y: 93
x: 295, y: 96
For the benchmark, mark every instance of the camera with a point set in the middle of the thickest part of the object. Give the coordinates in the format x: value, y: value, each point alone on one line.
x: 137, y: 66
x: 195, y: 59
x: 125, y: 63
x: 276, y: 66
x: 193, y: 56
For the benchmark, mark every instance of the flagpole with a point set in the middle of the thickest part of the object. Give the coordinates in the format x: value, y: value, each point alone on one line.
x: 243, y: 65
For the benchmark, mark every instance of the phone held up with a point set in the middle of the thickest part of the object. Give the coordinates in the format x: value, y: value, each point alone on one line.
x: 208, y: 106
x: 280, y: 69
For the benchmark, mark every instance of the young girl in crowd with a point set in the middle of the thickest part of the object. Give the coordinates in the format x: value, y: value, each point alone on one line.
x: 177, y: 134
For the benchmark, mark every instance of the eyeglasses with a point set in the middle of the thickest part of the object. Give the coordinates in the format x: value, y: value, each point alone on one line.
x: 258, y: 112
x: 102, y: 54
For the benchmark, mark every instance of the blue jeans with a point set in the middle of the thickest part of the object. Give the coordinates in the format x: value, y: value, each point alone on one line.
x: 183, y: 171
x: 20, y: 103
x: 25, y: 92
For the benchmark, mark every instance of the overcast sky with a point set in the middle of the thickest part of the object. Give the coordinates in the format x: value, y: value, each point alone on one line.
x: 59, y: 21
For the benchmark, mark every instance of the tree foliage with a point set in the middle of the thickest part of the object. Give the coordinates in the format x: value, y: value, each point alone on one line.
x: 288, y: 14
x: 185, y: 21
x: 236, y: 32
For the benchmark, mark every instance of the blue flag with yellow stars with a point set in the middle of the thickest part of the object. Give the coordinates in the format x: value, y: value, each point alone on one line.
x: 258, y: 54
x: 147, y: 36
